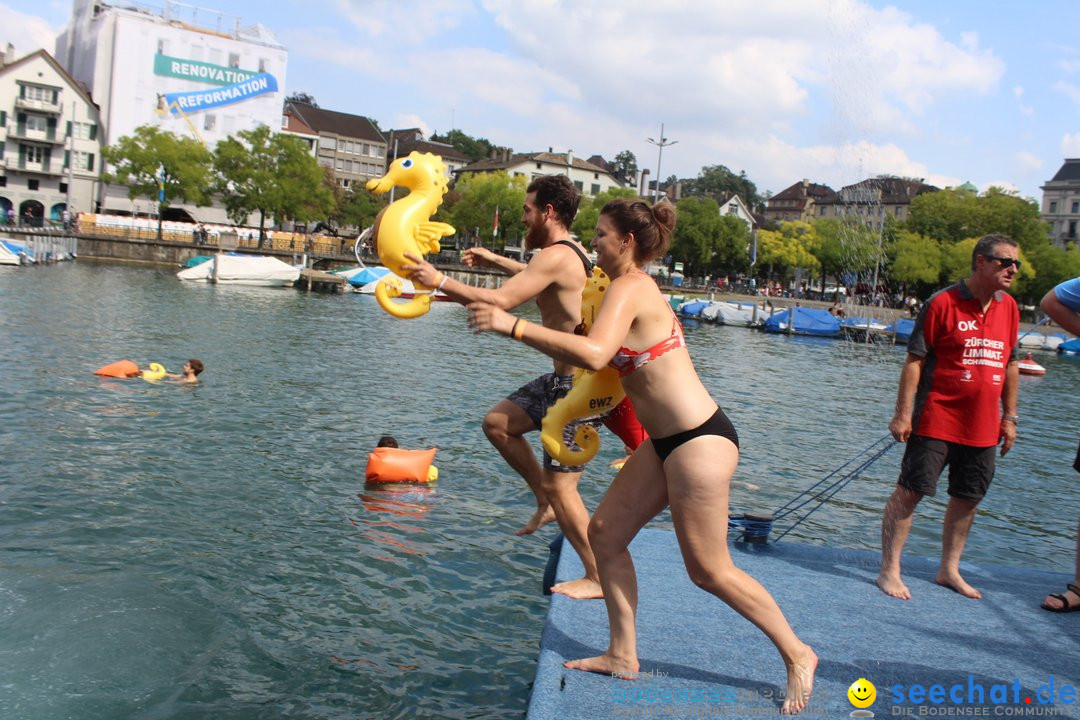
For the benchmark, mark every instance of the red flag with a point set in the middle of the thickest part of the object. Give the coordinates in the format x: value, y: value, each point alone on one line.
x: 495, y: 227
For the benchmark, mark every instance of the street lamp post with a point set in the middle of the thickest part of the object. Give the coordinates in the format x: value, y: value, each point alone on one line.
x: 661, y: 143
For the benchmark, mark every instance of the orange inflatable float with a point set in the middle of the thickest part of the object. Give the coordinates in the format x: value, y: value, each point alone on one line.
x: 119, y: 369
x: 393, y: 465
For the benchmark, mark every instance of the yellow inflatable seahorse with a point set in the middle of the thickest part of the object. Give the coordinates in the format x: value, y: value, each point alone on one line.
x: 406, y: 227
x: 154, y: 373
x: 593, y: 392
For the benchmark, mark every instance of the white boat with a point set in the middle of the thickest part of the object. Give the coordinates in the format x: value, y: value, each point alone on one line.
x: 8, y: 256
x: 742, y: 314
x: 1032, y: 340
x: 1053, y: 340
x: 258, y: 270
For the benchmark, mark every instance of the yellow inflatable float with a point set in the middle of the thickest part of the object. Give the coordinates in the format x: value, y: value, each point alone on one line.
x: 593, y: 392
x: 406, y: 227
x: 394, y: 465
x: 128, y: 369
x: 156, y: 372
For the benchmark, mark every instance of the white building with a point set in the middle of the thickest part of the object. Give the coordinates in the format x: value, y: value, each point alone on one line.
x: 589, y: 179
x: 1061, y: 203
x: 184, y: 69
x: 50, y: 141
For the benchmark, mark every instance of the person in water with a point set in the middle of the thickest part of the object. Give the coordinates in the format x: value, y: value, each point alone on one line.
x: 689, y: 460
x: 189, y: 374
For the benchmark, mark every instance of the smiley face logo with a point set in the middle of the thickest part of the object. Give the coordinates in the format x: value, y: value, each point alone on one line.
x: 862, y: 693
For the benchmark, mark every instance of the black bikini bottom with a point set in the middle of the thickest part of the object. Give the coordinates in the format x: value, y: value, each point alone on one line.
x: 718, y: 424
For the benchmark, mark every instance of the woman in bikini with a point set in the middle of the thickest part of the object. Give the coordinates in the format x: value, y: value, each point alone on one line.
x: 687, y: 464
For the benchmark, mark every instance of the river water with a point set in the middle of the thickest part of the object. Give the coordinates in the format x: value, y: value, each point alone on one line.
x: 211, y: 552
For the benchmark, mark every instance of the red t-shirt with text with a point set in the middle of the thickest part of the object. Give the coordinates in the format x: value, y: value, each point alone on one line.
x: 967, y: 352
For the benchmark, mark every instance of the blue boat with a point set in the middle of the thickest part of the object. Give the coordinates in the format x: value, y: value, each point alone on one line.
x: 1070, y: 348
x: 692, y: 308
x: 903, y: 327
x: 807, y: 321
x: 368, y: 275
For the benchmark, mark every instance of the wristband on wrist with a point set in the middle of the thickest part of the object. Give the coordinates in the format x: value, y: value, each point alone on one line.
x: 1014, y: 419
x: 438, y: 288
x: 518, y: 330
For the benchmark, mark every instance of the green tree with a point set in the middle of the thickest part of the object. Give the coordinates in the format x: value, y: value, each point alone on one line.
x: 625, y: 167
x: 917, y: 262
x: 584, y: 225
x: 716, y: 180
x: 472, y: 148
x: 151, y: 159
x: 696, y: 232
x: 477, y: 195
x: 786, y: 249
x: 302, y: 98
x: 731, y: 248
x: 272, y: 174
x: 840, y: 247
x: 358, y: 207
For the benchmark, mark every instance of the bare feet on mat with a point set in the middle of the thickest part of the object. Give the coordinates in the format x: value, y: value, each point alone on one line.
x: 957, y: 584
x: 606, y: 665
x: 540, y: 518
x: 800, y: 682
x: 580, y: 589
x: 894, y: 586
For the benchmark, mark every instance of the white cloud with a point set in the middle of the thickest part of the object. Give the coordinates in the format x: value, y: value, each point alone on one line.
x: 1027, y: 162
x: 1018, y: 93
x: 1069, y: 66
x: 1069, y: 90
x: 27, y: 33
x: 1070, y: 145
x: 750, y: 64
x: 404, y: 22
x: 412, y: 121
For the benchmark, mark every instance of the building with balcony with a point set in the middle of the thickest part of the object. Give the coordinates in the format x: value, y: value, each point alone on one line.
x: 180, y: 68
x: 50, y: 141
x: 874, y: 199
x: 1061, y: 203
x: 351, y: 145
x: 590, y: 180
x: 799, y: 202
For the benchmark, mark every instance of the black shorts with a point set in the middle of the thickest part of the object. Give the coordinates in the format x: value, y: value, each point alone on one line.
x: 535, y: 397
x: 970, y: 468
x: 1076, y: 463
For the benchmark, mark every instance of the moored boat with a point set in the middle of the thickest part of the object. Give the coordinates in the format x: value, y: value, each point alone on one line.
x: 257, y: 270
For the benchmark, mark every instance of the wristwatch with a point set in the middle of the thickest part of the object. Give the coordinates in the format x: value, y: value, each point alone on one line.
x: 1014, y: 419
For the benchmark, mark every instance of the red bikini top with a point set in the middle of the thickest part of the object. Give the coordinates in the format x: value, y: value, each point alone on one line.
x: 627, y: 361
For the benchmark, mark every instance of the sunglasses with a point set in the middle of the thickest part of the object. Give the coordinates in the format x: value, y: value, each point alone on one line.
x: 1006, y: 263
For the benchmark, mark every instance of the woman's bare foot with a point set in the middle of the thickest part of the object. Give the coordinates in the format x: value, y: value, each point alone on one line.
x: 956, y: 583
x: 893, y: 585
x: 540, y: 518
x: 800, y: 682
x: 580, y: 589
x: 606, y: 665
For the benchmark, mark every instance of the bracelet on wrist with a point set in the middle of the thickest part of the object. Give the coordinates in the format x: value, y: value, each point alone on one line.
x: 1014, y: 419
x: 438, y: 288
x: 518, y: 330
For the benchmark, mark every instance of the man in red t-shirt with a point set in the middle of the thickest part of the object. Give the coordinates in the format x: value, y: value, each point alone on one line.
x: 956, y: 403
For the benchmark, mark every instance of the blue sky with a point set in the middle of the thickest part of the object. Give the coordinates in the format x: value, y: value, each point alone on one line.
x: 833, y: 91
